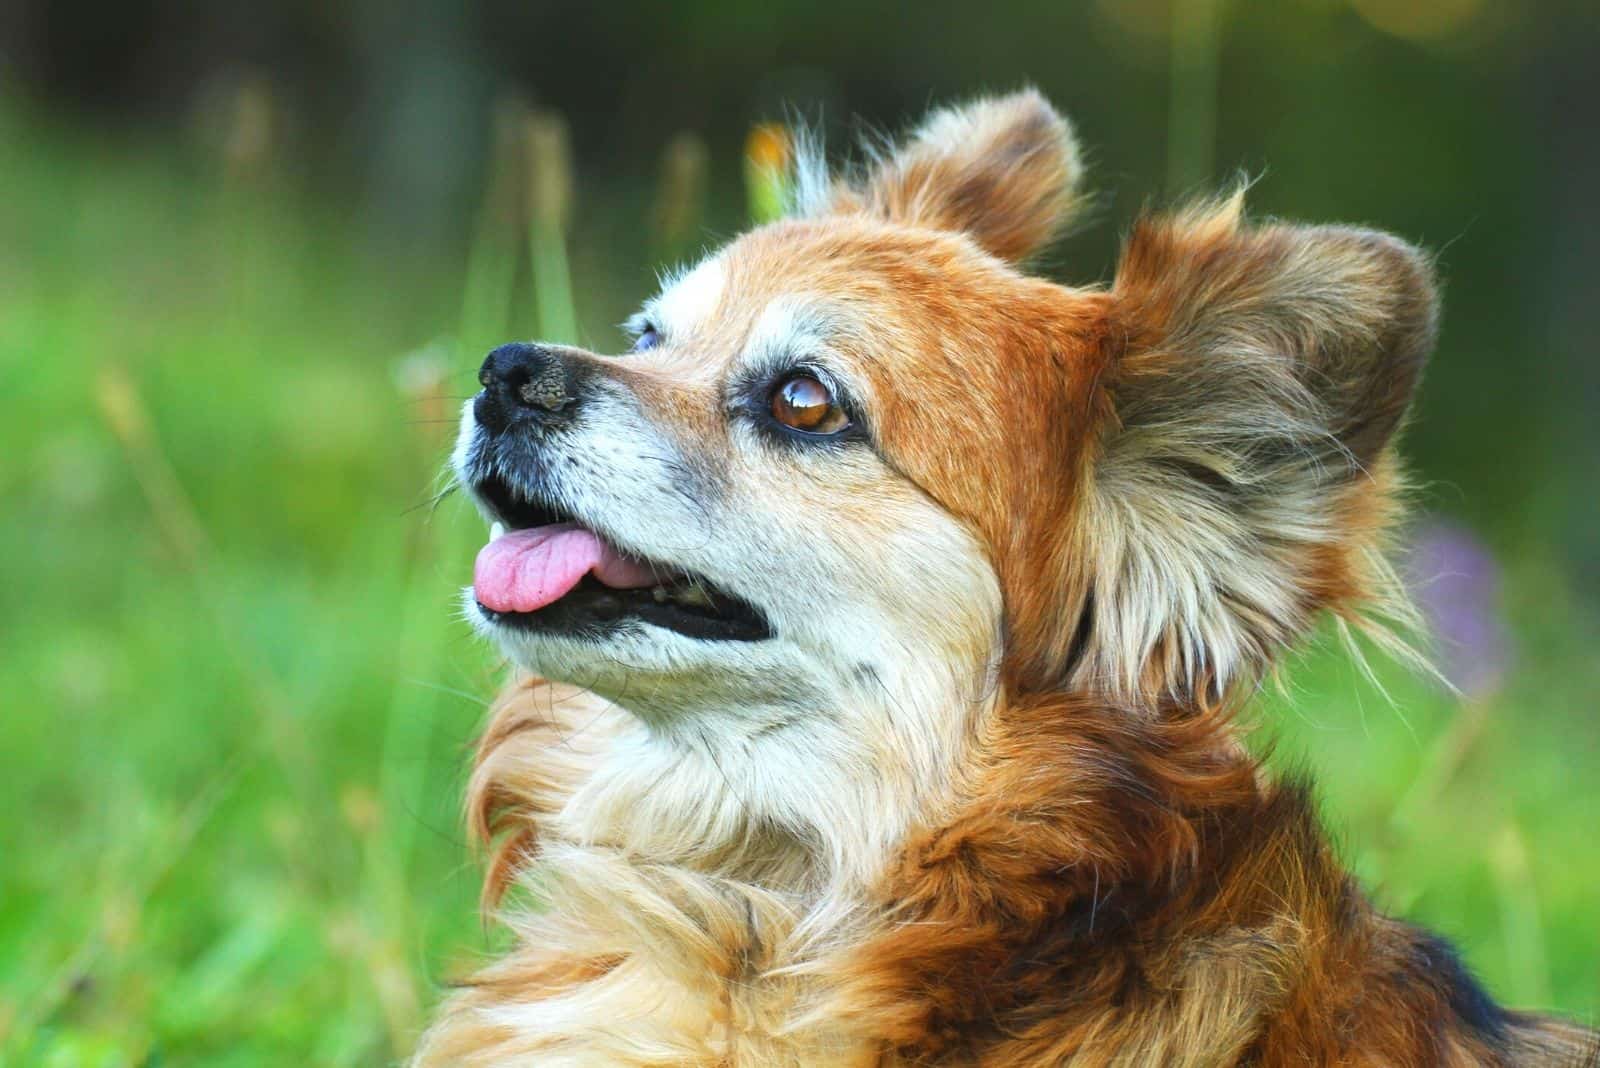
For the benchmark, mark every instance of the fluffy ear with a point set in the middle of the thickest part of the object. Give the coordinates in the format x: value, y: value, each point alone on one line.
x: 1245, y: 480
x: 1002, y: 170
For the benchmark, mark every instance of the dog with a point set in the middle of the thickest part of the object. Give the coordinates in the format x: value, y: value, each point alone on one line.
x: 881, y: 621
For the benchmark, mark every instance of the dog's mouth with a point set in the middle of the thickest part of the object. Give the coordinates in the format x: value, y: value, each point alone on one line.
x: 546, y: 571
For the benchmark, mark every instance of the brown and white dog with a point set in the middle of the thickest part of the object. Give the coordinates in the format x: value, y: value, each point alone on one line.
x: 894, y: 605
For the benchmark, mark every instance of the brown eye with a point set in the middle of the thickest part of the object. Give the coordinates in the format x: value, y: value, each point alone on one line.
x: 802, y: 402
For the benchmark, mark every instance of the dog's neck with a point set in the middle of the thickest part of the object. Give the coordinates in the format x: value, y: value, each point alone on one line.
x: 809, y: 799
x: 1059, y: 806
x: 657, y: 878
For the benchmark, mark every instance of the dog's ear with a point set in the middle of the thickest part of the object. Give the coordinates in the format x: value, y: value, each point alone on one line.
x: 1244, y: 480
x: 1003, y: 170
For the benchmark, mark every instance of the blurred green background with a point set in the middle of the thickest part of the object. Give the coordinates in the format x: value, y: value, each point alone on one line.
x: 250, y: 256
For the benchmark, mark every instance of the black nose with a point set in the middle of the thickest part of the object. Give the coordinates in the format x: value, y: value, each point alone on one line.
x: 523, y: 383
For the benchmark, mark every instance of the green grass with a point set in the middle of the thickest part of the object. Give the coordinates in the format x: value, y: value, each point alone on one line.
x: 237, y: 699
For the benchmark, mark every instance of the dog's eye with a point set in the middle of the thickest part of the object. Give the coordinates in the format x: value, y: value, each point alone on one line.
x: 802, y: 402
x: 648, y: 338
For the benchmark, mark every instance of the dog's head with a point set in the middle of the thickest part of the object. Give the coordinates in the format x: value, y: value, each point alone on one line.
x: 861, y: 476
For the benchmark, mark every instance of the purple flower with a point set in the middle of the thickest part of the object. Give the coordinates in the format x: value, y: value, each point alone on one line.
x: 1456, y: 582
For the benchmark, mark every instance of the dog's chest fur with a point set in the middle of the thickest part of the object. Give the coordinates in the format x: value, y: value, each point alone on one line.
x: 1024, y: 930
x: 634, y: 961
x: 650, y: 1007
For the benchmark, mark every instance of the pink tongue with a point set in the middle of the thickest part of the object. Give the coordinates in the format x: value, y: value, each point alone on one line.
x: 527, y: 569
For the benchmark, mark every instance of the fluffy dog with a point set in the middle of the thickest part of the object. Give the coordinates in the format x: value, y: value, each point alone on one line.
x: 894, y: 604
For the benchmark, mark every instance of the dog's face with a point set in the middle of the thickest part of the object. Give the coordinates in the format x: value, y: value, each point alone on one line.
x: 860, y: 474
x: 800, y: 463
x: 785, y: 491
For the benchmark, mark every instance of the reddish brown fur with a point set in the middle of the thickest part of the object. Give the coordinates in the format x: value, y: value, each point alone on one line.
x: 1124, y: 890
x: 1001, y: 171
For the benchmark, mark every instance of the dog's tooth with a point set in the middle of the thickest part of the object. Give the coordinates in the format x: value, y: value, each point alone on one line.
x: 496, y: 531
x: 695, y: 595
x: 660, y: 594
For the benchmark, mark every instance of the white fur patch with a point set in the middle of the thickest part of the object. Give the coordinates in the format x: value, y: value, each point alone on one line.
x: 689, y: 299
